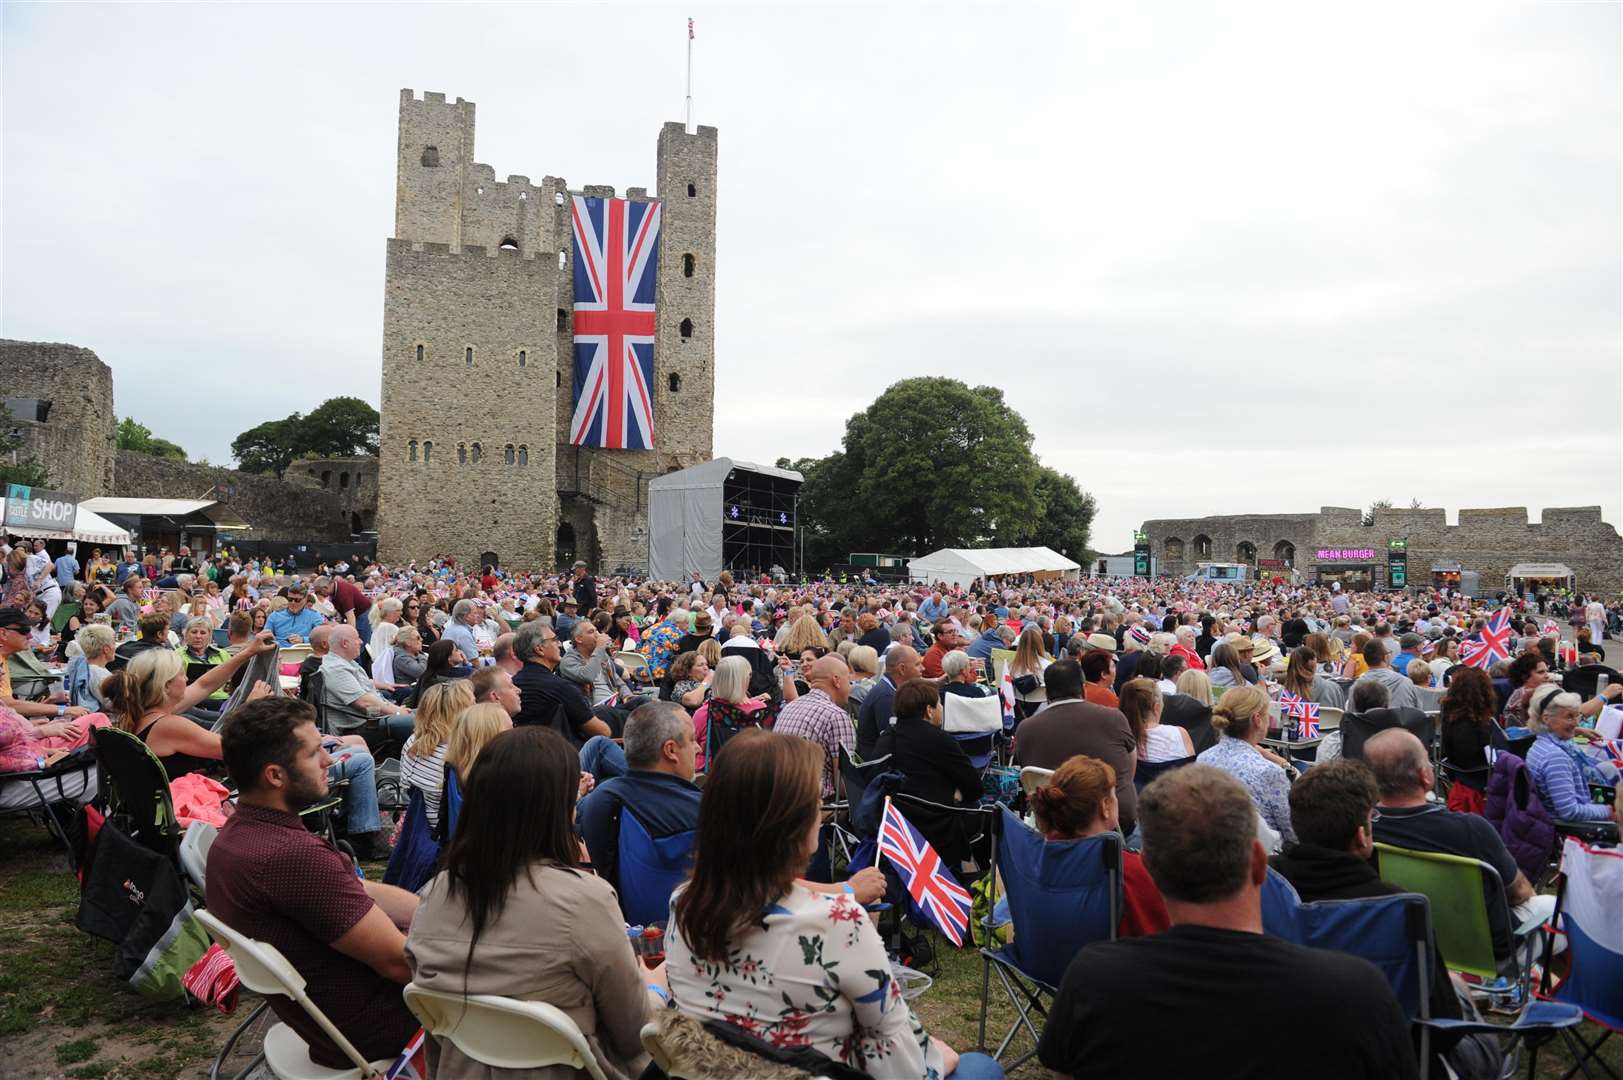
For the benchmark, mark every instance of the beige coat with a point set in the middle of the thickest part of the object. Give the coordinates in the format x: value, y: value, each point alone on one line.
x: 559, y: 939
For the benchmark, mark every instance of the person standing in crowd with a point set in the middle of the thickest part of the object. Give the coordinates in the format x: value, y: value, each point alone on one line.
x: 1201, y: 850
x: 348, y: 601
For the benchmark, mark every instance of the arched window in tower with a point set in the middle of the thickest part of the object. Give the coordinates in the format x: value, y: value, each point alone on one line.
x: 558, y: 379
x: 521, y: 357
x: 563, y: 259
x: 687, y: 265
x: 523, y: 455
x: 343, y: 480
x: 1245, y: 551
x: 326, y: 477
x: 467, y: 357
x: 674, y: 381
x: 686, y: 328
x: 692, y: 190
x: 508, y: 244
x: 431, y: 157
x: 563, y: 318
x: 478, y: 452
x: 1203, y: 546
x: 411, y: 450
x: 428, y: 451
x: 419, y: 354
x: 507, y: 454
x: 461, y: 453
x: 1285, y: 552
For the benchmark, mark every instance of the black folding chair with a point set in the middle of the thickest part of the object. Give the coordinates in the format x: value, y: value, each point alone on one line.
x: 69, y: 781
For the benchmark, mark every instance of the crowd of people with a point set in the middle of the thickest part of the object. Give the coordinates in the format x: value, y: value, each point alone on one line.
x: 720, y: 709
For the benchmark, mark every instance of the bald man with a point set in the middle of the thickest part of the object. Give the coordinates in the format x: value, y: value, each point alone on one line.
x: 1407, y: 819
x: 820, y: 714
x: 878, y: 708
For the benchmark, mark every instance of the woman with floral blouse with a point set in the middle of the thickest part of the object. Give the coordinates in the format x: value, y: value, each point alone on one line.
x: 752, y: 946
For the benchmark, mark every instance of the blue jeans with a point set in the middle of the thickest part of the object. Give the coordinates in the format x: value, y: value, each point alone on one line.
x: 399, y: 728
x: 976, y: 1066
x: 603, y: 758
x: 363, y: 626
x: 355, y: 764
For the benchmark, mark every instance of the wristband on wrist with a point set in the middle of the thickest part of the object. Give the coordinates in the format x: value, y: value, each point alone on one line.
x: 849, y: 891
x: 664, y: 995
x: 61, y: 710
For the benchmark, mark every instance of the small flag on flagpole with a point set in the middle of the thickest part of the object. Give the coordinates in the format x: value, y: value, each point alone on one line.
x: 930, y: 884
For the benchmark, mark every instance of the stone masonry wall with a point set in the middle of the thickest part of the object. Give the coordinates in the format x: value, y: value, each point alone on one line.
x: 1487, y: 541
x: 353, y: 479
x: 76, y: 441
x: 276, y: 509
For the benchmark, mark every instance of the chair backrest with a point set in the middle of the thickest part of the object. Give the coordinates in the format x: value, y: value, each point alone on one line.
x: 221, y: 638
x: 1358, y: 728
x: 1591, y: 897
x: 632, y: 660
x: 1458, y: 894
x: 194, y: 852
x: 1329, y: 718
x: 264, y: 970
x: 502, y: 1032
x: 1146, y: 771
x: 650, y: 869
x: 135, y: 785
x: 864, y: 811
x: 962, y: 715
x: 1062, y: 894
x: 1392, y: 932
x: 1032, y: 778
x: 294, y: 654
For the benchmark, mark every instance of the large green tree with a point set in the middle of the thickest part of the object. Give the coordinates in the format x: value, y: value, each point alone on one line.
x: 134, y: 435
x: 935, y: 463
x: 338, y: 427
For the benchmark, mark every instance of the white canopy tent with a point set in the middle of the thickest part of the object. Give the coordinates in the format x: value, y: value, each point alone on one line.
x: 89, y: 527
x: 961, y: 566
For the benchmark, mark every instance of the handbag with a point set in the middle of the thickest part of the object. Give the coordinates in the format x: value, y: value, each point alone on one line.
x: 1025, y: 684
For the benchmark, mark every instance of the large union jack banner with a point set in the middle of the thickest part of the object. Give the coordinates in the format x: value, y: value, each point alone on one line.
x: 616, y: 255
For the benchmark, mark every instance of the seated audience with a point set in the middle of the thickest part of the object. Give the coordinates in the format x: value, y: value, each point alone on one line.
x: 1241, y: 719
x: 658, y: 787
x: 730, y: 707
x: 1303, y: 678
x: 292, y: 625
x: 422, y: 759
x: 1200, y: 848
x: 470, y: 734
x: 689, y: 680
x: 878, y: 706
x: 446, y: 662
x: 1231, y: 664
x: 1400, y: 692
x: 935, y: 768
x: 513, y: 913
x: 548, y: 699
x: 820, y: 714
x: 1099, y: 671
x: 87, y: 671
x: 352, y: 698
x: 1079, y: 800
x: 1468, y: 730
x: 1142, y: 702
x: 1561, y: 771
x: 274, y: 880
x: 819, y: 976
x: 1068, y: 726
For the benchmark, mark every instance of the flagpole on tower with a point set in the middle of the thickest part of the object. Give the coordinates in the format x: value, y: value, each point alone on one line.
x: 689, y: 126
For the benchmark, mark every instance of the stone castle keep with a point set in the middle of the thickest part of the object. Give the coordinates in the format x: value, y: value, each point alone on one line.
x: 478, y: 355
x: 1488, y: 541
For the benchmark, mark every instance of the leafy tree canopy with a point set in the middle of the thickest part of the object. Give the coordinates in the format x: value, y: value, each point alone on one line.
x: 134, y: 435
x: 338, y: 427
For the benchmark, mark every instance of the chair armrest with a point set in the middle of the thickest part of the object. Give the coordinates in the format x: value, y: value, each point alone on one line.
x: 1538, y: 1016
x: 1591, y: 831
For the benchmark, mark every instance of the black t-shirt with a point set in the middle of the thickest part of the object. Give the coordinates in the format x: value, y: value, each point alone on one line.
x: 1144, y: 1007
x: 1433, y: 828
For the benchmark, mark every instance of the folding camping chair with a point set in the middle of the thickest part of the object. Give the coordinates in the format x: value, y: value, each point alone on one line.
x: 1145, y: 772
x: 1062, y: 896
x: 1395, y: 934
x: 37, y: 793
x: 650, y: 869
x: 135, y: 789
x: 1586, y: 906
x: 975, y: 722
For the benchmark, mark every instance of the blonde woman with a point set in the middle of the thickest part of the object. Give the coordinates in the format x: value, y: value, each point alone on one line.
x: 1241, y: 717
x: 470, y: 734
x: 199, y: 608
x: 1354, y: 665
x: 1195, y: 684
x: 385, y: 619
x: 864, y: 661
x: 805, y: 634
x: 730, y: 708
x: 422, y: 759
x: 1030, y: 659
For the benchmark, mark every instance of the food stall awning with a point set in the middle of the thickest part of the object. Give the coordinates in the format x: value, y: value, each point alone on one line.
x: 179, y: 513
x: 1535, y: 570
x: 89, y: 527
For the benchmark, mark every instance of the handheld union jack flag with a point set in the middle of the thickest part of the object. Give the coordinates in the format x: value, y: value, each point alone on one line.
x: 930, y: 884
x: 1490, y: 645
x: 1303, y: 711
x: 616, y: 255
x: 412, y: 1063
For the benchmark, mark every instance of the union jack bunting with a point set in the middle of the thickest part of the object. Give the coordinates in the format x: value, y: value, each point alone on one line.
x: 1303, y: 711
x: 930, y: 884
x: 1490, y: 645
x: 616, y: 255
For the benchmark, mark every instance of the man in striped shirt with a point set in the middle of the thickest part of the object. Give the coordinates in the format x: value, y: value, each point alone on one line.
x: 820, y: 714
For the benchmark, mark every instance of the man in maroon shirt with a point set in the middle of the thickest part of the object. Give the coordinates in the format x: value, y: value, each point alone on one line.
x: 275, y: 881
x: 349, y: 602
x: 947, y: 639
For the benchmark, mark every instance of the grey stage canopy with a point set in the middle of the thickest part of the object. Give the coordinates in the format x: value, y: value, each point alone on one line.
x: 721, y: 515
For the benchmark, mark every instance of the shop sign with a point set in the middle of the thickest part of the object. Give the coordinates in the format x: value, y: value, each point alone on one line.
x: 35, y: 508
x: 1345, y: 554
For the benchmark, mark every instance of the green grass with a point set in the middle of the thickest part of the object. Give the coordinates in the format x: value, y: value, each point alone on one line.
x: 59, y: 1001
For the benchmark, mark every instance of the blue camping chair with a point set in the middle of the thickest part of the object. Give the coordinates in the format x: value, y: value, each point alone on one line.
x: 1586, y: 907
x: 1146, y: 771
x: 1394, y: 934
x: 1062, y: 896
x: 650, y: 869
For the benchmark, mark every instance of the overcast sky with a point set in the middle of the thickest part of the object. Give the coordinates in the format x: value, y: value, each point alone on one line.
x: 1224, y: 259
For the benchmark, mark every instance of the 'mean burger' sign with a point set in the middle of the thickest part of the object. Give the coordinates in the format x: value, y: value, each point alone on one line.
x: 35, y: 508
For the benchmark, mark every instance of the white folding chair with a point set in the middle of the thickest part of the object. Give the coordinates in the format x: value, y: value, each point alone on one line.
x: 1032, y: 778
x: 503, y: 1032
x: 264, y: 970
x: 293, y: 654
x: 635, y: 663
x: 194, y: 852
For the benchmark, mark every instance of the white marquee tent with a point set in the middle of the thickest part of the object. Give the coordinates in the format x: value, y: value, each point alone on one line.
x: 961, y: 566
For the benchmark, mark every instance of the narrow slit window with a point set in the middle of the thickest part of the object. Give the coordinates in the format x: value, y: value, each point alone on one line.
x: 507, y: 453
x: 411, y: 450
x: 687, y: 265
x: 419, y: 354
x: 428, y: 451
x: 467, y: 357
x: 431, y: 157
x: 563, y: 318
x: 523, y: 455
x: 687, y: 329
x: 674, y: 381
x: 692, y: 190
x: 521, y: 358
x: 508, y: 244
x: 478, y: 452
x: 558, y: 379
x: 461, y: 453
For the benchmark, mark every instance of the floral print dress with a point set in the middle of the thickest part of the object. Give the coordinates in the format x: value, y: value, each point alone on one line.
x: 812, y: 972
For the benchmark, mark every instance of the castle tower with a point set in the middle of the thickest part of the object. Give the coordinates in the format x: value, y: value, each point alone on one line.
x: 477, y: 355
